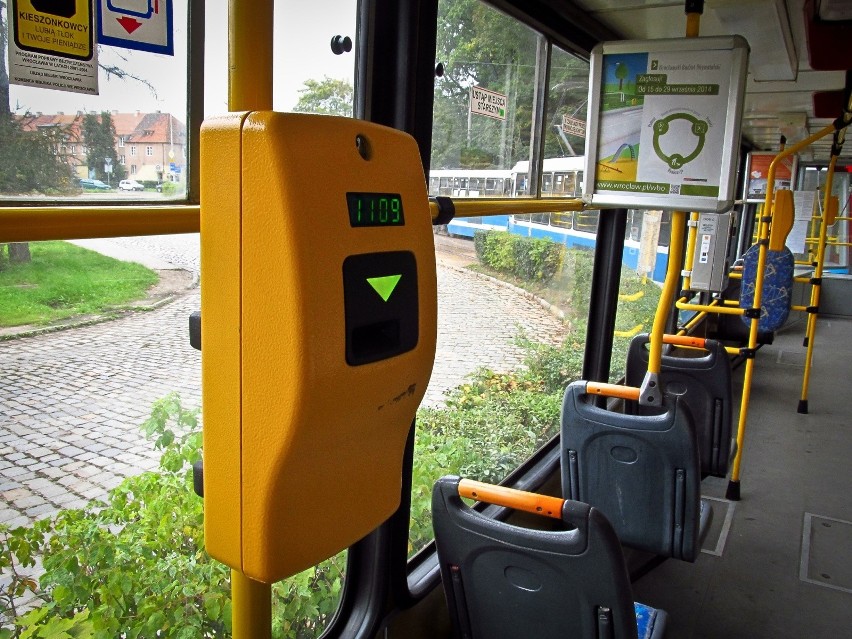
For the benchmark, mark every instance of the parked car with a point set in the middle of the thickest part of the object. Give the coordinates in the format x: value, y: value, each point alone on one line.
x: 130, y: 185
x: 94, y: 184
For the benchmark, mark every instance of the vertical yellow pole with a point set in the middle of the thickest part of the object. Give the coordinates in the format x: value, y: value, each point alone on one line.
x: 690, y: 250
x: 650, y: 392
x: 251, y: 604
x: 250, y: 27
x: 733, y: 491
x: 650, y: 385
x: 815, y: 288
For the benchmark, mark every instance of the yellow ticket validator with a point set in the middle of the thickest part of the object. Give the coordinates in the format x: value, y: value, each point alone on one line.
x: 319, y: 309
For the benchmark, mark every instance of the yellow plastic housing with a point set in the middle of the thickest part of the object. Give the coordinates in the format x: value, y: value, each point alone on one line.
x: 302, y: 452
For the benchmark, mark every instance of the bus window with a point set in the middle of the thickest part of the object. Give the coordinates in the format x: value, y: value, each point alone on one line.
x: 547, y: 184
x: 565, y: 131
x: 498, y: 78
x: 126, y: 143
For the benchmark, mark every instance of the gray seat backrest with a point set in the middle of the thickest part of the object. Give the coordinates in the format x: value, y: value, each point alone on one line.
x: 504, y: 582
x: 705, y: 385
x: 641, y: 471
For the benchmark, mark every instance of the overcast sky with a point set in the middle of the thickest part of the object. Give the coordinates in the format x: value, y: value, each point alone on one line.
x: 303, y: 31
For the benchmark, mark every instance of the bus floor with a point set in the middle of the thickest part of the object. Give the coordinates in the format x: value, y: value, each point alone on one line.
x: 777, y: 563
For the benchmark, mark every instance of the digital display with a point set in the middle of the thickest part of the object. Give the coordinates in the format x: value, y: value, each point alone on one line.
x: 375, y: 209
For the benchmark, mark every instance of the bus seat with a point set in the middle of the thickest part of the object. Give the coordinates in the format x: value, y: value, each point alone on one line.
x: 641, y: 471
x: 503, y: 581
x: 705, y: 385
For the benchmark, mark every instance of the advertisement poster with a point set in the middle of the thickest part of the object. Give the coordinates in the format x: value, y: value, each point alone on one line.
x: 758, y: 169
x: 51, y: 45
x: 663, y: 120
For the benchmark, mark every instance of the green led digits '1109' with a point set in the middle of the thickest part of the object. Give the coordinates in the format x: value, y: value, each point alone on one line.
x: 375, y: 209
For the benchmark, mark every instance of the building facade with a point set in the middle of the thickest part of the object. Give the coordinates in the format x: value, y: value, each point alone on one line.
x: 149, y: 146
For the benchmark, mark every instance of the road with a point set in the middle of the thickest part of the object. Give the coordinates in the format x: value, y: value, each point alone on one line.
x: 71, y: 401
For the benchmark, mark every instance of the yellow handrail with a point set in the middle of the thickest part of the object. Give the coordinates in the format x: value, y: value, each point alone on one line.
x: 480, y: 207
x: 37, y: 223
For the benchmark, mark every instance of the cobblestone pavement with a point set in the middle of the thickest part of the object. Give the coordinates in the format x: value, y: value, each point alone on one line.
x: 71, y: 402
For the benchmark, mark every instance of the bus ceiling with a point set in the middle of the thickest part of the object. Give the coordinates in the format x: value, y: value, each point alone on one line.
x: 799, y: 78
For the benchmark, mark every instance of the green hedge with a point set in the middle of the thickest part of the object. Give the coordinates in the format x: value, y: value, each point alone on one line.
x: 530, y: 259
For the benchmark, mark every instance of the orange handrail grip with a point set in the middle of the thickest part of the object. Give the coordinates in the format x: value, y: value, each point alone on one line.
x: 612, y: 390
x: 684, y: 340
x: 512, y: 498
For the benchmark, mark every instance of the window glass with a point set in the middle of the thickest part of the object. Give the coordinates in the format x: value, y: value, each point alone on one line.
x: 115, y: 331
x: 483, y: 101
x: 565, y: 123
x: 65, y: 145
x: 836, y: 253
x: 513, y: 290
x: 643, y: 270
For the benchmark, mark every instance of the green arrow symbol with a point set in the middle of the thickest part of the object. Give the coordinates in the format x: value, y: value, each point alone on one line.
x: 384, y: 286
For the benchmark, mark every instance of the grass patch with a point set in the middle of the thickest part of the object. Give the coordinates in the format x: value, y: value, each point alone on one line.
x: 64, y: 280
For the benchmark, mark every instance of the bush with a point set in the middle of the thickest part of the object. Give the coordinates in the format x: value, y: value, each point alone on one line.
x: 490, y: 425
x: 530, y: 259
x: 135, y: 566
x: 171, y: 188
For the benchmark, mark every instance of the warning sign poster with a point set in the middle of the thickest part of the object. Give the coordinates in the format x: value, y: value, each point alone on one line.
x: 52, y: 45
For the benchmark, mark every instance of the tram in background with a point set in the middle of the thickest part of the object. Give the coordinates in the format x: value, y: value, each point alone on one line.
x: 777, y: 563
x: 560, y: 177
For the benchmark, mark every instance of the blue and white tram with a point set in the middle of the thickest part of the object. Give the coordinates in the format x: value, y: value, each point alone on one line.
x: 561, y: 177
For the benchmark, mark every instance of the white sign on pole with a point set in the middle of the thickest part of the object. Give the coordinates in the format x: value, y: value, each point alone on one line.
x: 574, y: 126
x: 664, y: 123
x: 51, y: 45
x: 146, y: 25
x: 488, y: 103
x: 803, y: 206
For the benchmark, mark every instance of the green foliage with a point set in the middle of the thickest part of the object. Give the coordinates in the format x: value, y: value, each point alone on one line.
x: 135, y: 566
x: 28, y: 161
x: 64, y: 280
x: 99, y: 136
x: 327, y: 96
x: 530, y: 259
x: 171, y: 188
x: 490, y: 425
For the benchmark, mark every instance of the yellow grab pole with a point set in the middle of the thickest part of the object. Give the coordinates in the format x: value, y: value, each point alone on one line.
x: 810, y: 332
x: 650, y: 391
x: 683, y: 305
x: 477, y: 207
x: 690, y: 250
x: 651, y: 394
x: 39, y: 223
x: 733, y: 491
x: 251, y: 603
x: 250, y: 27
x: 250, y: 55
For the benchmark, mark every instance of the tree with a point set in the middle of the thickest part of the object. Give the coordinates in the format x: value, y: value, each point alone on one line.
x: 329, y: 96
x: 479, y: 46
x: 29, y: 160
x: 99, y: 135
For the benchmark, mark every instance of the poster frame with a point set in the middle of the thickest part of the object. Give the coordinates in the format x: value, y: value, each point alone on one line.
x: 732, y: 125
